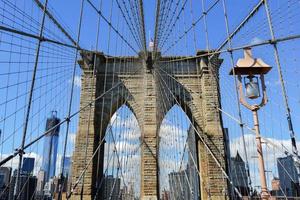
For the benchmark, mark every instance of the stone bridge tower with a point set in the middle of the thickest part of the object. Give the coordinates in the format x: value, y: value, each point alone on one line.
x: 146, y: 87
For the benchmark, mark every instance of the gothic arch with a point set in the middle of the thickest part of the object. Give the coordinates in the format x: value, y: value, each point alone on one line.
x: 146, y: 89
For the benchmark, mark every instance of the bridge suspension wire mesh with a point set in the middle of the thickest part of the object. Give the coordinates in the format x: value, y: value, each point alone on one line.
x: 253, y: 31
x: 51, y: 51
x: 54, y: 80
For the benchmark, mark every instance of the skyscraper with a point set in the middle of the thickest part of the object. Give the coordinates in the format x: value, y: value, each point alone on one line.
x: 192, y: 172
x: 40, y: 183
x: 180, y: 188
x: 5, y: 173
x: 67, y: 166
x: 239, y: 174
x: 66, y: 173
x: 50, y: 147
x: 112, y: 188
x: 28, y: 186
x: 28, y: 165
x: 127, y: 192
x: 288, y: 176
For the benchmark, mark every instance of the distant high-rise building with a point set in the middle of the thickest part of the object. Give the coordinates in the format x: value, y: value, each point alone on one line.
x: 49, y: 188
x: 50, y: 147
x: 66, y: 173
x: 40, y: 182
x: 239, y: 174
x: 185, y: 183
x: 127, y: 192
x: 5, y: 177
x: 112, y: 188
x: 179, y: 186
x: 67, y: 166
x: 28, y: 165
x: 5, y: 173
x: 288, y: 176
x: 27, y: 184
x: 192, y: 172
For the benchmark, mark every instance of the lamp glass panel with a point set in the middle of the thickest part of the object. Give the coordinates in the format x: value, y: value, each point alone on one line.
x: 252, y: 87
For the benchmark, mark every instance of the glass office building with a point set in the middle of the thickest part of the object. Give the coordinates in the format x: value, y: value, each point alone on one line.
x: 28, y: 165
x: 67, y: 166
x: 288, y: 176
x: 50, y: 147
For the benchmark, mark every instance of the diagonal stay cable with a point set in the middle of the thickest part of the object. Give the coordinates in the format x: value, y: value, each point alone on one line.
x: 156, y: 25
x: 167, y: 27
x: 30, y: 96
x: 142, y: 21
x: 174, y: 24
x: 286, y: 152
x: 185, y: 146
x: 171, y: 19
x: 110, y: 24
x: 201, y: 138
x: 92, y: 157
x: 119, y: 165
x: 17, y: 151
x: 42, y: 38
x: 161, y: 18
x: 238, y: 28
x: 212, y: 53
x: 131, y: 27
x: 71, y: 94
x: 41, y: 6
x: 132, y: 154
x: 191, y: 27
x: 167, y: 20
x: 242, y: 24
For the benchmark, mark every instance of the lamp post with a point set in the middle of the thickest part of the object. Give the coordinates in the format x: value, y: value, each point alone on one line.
x: 248, y: 71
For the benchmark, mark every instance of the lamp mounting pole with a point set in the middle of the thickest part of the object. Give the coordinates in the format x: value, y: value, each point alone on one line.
x: 265, y: 195
x: 251, y: 68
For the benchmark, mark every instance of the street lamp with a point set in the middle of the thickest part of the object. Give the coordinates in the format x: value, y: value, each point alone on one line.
x: 248, y: 71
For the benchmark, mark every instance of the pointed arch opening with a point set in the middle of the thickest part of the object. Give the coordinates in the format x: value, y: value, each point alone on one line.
x: 178, y: 156
x: 122, y: 154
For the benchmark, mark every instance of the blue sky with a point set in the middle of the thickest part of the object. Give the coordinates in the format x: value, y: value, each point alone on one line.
x: 56, y: 64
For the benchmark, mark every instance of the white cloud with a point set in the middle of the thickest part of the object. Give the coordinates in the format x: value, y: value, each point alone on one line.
x: 172, y: 138
x: 274, y: 83
x: 128, y: 125
x: 122, y: 147
x: 168, y: 130
x: 270, y: 152
x: 256, y: 40
x: 72, y: 138
x: 77, y: 81
x: 13, y: 163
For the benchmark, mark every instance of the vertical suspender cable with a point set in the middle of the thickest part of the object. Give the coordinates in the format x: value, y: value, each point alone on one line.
x: 102, y: 132
x: 237, y: 98
x: 156, y: 26
x: 141, y: 8
x: 71, y: 96
x: 95, y: 61
x: 91, y: 85
x: 284, y: 93
x: 204, y: 13
x: 21, y: 150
